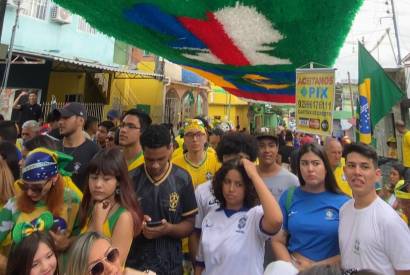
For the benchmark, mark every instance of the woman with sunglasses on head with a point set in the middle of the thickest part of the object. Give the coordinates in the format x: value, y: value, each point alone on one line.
x: 50, y: 144
x: 233, y: 236
x: 33, y: 251
x: 93, y: 254
x: 109, y: 206
x: 310, y: 215
x: 42, y: 190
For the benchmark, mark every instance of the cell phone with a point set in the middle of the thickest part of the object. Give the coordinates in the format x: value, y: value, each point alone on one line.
x: 153, y: 224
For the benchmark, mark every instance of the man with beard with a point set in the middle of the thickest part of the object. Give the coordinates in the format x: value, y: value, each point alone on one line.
x: 71, y: 123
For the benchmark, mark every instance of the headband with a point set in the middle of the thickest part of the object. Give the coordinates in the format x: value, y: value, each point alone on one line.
x: 42, y: 164
x: 194, y: 125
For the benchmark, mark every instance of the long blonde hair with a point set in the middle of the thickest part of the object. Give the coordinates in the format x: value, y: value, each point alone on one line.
x: 6, y: 182
x: 77, y: 262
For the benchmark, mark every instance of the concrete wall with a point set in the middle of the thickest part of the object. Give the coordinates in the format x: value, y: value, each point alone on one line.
x: 66, y: 40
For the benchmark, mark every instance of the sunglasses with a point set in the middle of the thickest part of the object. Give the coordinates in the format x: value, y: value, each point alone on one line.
x: 98, y: 267
x: 35, y: 188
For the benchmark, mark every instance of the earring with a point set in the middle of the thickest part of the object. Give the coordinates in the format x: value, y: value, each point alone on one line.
x: 117, y: 191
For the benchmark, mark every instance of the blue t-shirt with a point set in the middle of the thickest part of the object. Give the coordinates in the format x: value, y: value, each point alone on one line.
x: 312, y: 222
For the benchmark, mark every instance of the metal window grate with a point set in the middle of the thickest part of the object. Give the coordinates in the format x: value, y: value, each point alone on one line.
x: 34, y: 8
x: 83, y: 26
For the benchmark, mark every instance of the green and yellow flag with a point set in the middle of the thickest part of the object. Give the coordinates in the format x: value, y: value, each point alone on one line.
x: 377, y: 94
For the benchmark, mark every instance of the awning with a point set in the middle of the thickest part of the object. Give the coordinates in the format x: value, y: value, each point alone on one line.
x: 63, y: 64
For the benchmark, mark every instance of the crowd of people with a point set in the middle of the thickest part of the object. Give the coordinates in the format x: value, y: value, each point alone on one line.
x: 126, y: 196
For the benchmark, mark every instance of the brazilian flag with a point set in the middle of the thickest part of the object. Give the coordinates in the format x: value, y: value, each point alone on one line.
x: 378, y: 93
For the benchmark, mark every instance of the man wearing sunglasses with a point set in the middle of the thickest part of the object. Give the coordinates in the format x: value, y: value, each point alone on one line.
x: 133, y: 124
x: 166, y: 195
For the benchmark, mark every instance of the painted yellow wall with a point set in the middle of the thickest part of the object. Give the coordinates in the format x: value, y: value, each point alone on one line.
x: 61, y: 84
x: 218, y: 106
x: 130, y: 92
x: 224, y: 98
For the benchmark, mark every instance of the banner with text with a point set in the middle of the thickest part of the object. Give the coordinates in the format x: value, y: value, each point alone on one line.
x: 315, y: 93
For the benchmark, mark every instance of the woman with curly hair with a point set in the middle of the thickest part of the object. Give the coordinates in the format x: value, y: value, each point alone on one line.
x: 236, y: 232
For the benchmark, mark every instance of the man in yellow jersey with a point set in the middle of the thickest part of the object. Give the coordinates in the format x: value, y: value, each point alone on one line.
x: 334, y: 152
x: 133, y: 124
x: 401, y: 128
x: 200, y: 163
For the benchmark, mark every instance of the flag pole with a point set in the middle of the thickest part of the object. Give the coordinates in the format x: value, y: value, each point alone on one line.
x: 352, y: 106
x: 396, y: 33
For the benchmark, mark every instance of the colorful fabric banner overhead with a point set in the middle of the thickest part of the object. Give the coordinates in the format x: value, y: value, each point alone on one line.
x: 315, y: 95
x: 250, y: 48
x: 377, y: 94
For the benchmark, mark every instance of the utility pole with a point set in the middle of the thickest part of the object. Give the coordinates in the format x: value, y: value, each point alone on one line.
x: 3, y: 4
x: 10, y: 51
x: 396, y: 32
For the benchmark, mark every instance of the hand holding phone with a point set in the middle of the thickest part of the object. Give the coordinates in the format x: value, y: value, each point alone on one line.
x: 153, y: 224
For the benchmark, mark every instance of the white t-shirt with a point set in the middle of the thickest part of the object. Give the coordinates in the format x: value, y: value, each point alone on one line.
x: 233, y: 245
x: 206, y: 201
x: 373, y: 238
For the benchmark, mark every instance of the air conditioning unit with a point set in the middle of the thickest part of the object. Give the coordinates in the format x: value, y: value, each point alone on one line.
x: 12, y: 3
x: 60, y: 15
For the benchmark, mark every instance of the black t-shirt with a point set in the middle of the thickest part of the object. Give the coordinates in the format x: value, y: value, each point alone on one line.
x: 173, y: 199
x: 30, y: 112
x: 82, y: 156
x: 294, y: 161
x: 56, y: 133
x: 285, y: 152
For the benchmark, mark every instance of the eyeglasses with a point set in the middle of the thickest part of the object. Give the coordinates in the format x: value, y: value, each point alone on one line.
x: 98, y: 267
x: 129, y: 126
x: 34, y: 187
x: 192, y: 135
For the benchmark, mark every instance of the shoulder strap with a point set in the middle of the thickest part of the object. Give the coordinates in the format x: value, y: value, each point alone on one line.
x: 112, y: 220
x: 289, y: 198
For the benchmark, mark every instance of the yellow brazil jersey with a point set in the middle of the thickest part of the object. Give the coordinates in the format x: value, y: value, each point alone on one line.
x: 341, y: 179
x: 137, y: 161
x: 199, y: 173
x: 179, y: 152
x: 406, y: 149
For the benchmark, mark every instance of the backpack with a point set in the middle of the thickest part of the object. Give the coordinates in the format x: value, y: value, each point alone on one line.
x: 288, y: 204
x: 289, y: 198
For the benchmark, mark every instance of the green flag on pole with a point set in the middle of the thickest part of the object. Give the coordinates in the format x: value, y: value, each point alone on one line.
x: 378, y: 93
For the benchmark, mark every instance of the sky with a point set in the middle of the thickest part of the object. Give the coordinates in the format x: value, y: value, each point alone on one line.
x: 370, y: 24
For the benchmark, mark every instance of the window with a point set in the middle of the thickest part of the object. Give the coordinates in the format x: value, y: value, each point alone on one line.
x: 34, y: 8
x: 83, y: 26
